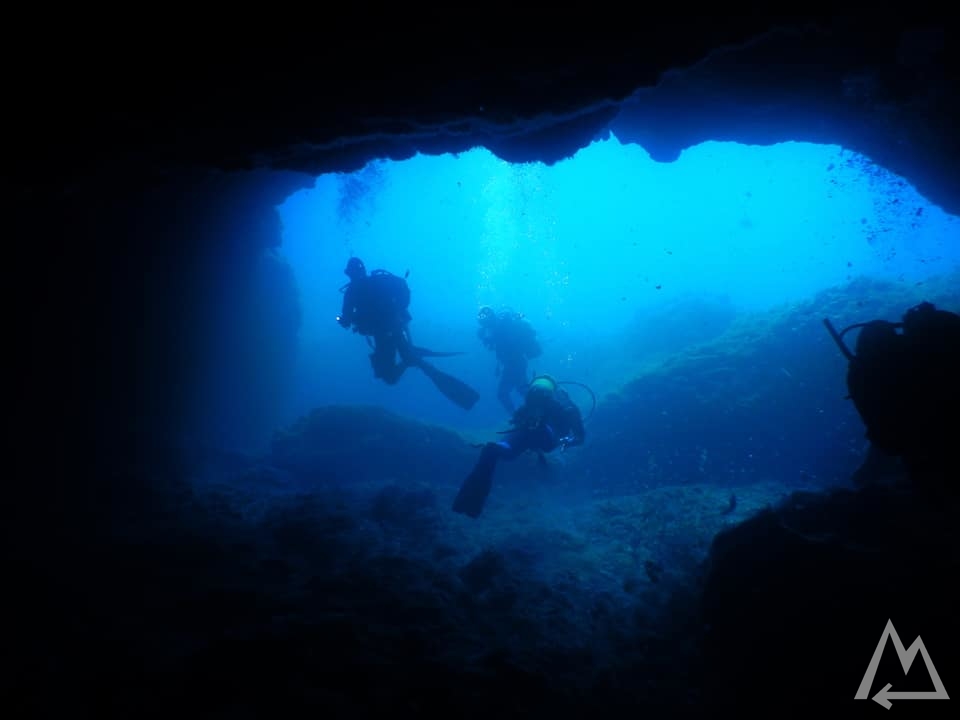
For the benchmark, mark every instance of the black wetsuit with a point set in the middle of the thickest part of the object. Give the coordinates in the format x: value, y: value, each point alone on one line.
x: 376, y: 306
x: 515, y: 342
x: 557, y: 424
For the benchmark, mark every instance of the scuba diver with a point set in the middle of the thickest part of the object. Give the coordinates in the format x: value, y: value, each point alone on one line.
x: 515, y: 342
x: 906, y: 388
x: 375, y: 305
x: 547, y: 420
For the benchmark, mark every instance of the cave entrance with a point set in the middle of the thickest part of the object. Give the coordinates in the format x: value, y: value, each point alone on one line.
x: 612, y: 256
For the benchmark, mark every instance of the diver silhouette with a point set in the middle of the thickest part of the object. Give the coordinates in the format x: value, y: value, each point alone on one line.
x: 376, y: 306
x: 904, y: 380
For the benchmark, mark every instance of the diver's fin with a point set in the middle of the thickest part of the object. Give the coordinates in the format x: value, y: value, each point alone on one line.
x: 474, y: 491
x: 455, y: 390
x: 426, y: 352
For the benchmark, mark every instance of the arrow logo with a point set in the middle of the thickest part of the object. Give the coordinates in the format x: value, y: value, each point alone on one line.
x: 906, y: 660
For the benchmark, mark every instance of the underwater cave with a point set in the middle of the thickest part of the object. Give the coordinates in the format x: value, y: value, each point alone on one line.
x: 224, y: 510
x: 614, y: 257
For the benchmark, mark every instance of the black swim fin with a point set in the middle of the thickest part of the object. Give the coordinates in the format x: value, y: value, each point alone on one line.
x: 455, y: 390
x: 476, y: 487
x: 426, y: 352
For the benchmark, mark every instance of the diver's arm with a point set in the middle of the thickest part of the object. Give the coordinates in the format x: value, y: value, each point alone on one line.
x: 579, y: 433
x: 486, y: 337
x: 533, y: 349
x: 576, y: 433
x: 345, y: 318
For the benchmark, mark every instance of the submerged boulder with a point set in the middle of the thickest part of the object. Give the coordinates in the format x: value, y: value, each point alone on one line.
x: 797, y: 598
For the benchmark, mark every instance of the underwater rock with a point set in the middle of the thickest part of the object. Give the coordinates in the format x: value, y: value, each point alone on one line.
x: 343, y: 443
x: 480, y: 573
x: 728, y: 411
x: 653, y: 569
x: 395, y: 505
x: 796, y: 598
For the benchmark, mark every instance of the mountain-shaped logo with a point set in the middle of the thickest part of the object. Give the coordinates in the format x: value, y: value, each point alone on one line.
x: 907, y: 657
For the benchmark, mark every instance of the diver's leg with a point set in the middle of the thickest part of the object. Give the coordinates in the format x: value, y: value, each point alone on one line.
x: 476, y: 487
x: 383, y: 360
x: 408, y: 355
x: 513, y: 378
x: 522, y: 378
x: 504, y: 388
x: 515, y: 444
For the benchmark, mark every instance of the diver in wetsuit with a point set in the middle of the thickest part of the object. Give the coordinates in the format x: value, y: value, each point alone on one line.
x: 376, y: 305
x: 547, y: 420
x: 904, y: 380
x: 514, y: 341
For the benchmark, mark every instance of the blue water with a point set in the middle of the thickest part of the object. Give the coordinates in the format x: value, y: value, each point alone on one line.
x: 609, y: 254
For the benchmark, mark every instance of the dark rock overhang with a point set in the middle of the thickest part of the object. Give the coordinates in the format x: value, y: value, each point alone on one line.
x: 345, y: 88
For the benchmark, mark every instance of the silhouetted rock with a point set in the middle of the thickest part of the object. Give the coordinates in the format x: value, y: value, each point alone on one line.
x: 346, y: 444
x: 796, y: 600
